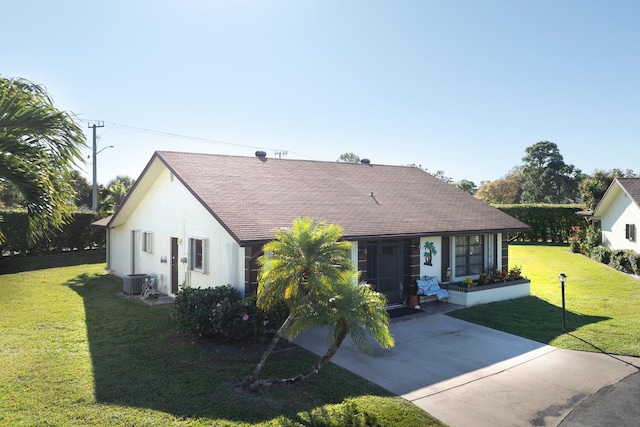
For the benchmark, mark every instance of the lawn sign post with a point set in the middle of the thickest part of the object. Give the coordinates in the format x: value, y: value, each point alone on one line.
x: 563, y: 278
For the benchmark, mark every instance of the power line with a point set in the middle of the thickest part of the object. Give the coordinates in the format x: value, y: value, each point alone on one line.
x: 278, y: 152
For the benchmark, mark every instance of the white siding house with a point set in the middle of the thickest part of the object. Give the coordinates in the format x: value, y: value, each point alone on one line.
x: 618, y: 214
x: 164, y: 235
x: 200, y: 220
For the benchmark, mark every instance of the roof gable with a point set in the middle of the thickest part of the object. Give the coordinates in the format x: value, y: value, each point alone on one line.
x: 628, y: 186
x: 251, y: 197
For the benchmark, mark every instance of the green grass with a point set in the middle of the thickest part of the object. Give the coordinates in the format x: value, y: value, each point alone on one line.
x: 75, y: 352
x: 601, y: 304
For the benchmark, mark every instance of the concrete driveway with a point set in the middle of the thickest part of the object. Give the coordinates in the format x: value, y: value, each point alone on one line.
x: 470, y: 375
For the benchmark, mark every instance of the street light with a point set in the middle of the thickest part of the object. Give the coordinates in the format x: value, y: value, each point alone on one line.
x: 563, y: 278
x: 94, y: 190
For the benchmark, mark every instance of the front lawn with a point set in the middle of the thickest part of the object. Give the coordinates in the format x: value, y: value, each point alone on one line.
x: 73, y: 351
x: 601, y: 303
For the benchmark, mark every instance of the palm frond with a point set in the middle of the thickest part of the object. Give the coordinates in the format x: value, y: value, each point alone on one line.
x: 39, y: 145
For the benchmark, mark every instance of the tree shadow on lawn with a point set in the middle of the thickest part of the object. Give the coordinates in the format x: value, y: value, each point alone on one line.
x: 40, y: 261
x: 139, y: 360
x: 529, y: 317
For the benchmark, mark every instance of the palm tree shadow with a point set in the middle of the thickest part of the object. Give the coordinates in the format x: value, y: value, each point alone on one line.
x: 139, y: 360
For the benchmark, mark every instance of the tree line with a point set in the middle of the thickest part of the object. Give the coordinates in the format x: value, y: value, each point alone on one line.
x: 544, y: 177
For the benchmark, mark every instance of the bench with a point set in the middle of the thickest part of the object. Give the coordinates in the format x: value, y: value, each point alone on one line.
x: 430, y: 290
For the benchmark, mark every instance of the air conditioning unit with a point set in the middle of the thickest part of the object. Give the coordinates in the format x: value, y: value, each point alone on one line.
x: 132, y: 283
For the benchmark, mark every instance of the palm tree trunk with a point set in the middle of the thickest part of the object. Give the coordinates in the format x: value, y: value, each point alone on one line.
x: 252, y: 383
x: 331, y: 351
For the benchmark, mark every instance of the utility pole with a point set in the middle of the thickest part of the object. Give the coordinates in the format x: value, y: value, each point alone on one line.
x: 94, y: 194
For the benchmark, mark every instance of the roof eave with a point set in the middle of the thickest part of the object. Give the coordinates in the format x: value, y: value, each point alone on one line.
x: 352, y: 237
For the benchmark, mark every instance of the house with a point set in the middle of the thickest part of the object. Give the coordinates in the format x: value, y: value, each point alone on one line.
x: 618, y: 213
x: 201, y: 220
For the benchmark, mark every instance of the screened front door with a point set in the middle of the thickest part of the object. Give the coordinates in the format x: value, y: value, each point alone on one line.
x: 386, y: 269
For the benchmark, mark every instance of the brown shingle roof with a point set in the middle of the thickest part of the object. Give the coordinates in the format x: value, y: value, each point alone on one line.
x: 251, y: 197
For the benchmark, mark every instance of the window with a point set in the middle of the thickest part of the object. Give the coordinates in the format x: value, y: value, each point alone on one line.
x: 147, y: 242
x: 469, y: 255
x: 199, y: 255
x: 630, y: 232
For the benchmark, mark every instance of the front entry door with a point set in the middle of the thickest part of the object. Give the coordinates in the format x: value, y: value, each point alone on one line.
x: 174, y: 265
x: 386, y: 267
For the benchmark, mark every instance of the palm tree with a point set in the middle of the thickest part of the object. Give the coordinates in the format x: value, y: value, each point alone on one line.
x: 39, y: 145
x: 113, y: 195
x: 308, y: 267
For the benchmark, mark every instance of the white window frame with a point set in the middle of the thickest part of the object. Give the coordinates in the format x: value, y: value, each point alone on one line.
x: 199, y: 260
x: 468, y: 255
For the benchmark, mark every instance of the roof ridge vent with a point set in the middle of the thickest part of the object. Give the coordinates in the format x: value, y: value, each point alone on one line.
x: 365, y: 161
x: 261, y: 154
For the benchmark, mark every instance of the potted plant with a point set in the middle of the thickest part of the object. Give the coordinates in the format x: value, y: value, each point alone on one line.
x: 412, y: 295
x: 429, y: 252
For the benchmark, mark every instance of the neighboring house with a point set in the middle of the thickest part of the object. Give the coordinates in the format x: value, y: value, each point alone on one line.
x: 201, y: 220
x: 618, y: 214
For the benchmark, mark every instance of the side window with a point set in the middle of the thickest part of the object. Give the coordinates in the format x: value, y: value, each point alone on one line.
x: 469, y: 255
x: 147, y: 242
x: 199, y: 254
x: 630, y: 232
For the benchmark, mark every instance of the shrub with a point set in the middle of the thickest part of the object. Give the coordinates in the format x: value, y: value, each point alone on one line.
x: 591, y: 240
x: 633, y: 259
x: 577, y: 235
x: 193, y: 307
x: 620, y: 260
x: 222, y: 313
x: 601, y: 254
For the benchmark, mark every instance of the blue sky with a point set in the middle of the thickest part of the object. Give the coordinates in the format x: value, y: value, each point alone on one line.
x: 452, y: 85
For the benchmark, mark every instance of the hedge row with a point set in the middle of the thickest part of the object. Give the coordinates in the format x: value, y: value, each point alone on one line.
x: 549, y: 223
x: 625, y: 260
x: 78, y: 233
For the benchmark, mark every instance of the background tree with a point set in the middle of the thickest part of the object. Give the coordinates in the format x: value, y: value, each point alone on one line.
x: 546, y: 176
x: 349, y: 158
x: 441, y: 176
x: 309, y: 268
x: 502, y: 191
x: 112, y: 196
x: 10, y: 196
x: 593, y: 187
x: 39, y: 145
x: 82, y: 190
x: 466, y: 185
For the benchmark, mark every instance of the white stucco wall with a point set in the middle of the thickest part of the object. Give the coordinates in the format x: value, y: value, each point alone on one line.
x: 613, y: 222
x: 169, y: 210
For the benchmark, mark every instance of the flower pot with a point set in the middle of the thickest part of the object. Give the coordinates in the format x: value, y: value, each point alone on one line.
x: 413, y: 300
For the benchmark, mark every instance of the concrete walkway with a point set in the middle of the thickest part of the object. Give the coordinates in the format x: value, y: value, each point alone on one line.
x: 470, y: 375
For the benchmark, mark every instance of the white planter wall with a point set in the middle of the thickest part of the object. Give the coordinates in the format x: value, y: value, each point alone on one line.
x: 484, y: 296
